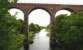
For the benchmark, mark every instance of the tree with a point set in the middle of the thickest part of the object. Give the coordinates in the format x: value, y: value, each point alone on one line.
x: 69, y: 31
x: 8, y: 27
x: 33, y: 28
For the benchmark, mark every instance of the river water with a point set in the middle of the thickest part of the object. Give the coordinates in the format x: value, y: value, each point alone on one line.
x: 41, y: 41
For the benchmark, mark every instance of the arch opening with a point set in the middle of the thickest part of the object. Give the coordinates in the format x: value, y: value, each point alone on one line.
x: 40, y: 17
x: 17, y: 13
x: 63, y: 12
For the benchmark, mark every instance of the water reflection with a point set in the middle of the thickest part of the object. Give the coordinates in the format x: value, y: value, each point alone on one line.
x: 41, y: 41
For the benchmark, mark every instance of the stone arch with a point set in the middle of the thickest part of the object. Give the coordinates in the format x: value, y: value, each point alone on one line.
x: 47, y: 10
x: 69, y: 9
x: 55, y: 7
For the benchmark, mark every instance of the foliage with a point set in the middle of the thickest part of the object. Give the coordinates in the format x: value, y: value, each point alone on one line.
x: 19, y: 39
x: 69, y: 31
x: 8, y: 32
x: 31, y: 37
x: 5, y: 6
x: 9, y: 28
x: 33, y: 28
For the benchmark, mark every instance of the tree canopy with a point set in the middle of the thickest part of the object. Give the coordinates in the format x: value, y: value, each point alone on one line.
x: 69, y: 31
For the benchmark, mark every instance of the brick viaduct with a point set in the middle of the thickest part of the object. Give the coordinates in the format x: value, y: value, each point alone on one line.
x: 27, y: 8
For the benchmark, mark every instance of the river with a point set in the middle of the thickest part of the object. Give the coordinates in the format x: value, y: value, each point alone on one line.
x: 41, y: 41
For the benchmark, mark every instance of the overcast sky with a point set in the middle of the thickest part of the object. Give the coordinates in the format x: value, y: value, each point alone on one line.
x: 77, y: 2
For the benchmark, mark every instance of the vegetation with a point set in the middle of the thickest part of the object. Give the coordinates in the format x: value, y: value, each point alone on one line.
x: 10, y: 37
x: 33, y: 28
x: 69, y: 31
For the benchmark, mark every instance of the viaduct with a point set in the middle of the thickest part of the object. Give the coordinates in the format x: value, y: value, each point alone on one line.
x: 27, y: 8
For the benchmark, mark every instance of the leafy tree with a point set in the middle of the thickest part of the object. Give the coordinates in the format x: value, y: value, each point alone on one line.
x: 34, y: 28
x: 9, y: 27
x: 69, y: 31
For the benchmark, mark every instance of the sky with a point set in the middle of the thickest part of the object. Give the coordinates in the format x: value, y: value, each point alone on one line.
x: 19, y: 15
x: 40, y: 17
x: 74, y: 2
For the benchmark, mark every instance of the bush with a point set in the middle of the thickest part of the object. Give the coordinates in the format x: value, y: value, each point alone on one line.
x: 31, y: 37
x: 20, y: 38
x: 34, y: 28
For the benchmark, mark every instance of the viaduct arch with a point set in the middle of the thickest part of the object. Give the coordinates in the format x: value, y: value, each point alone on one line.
x: 50, y: 8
